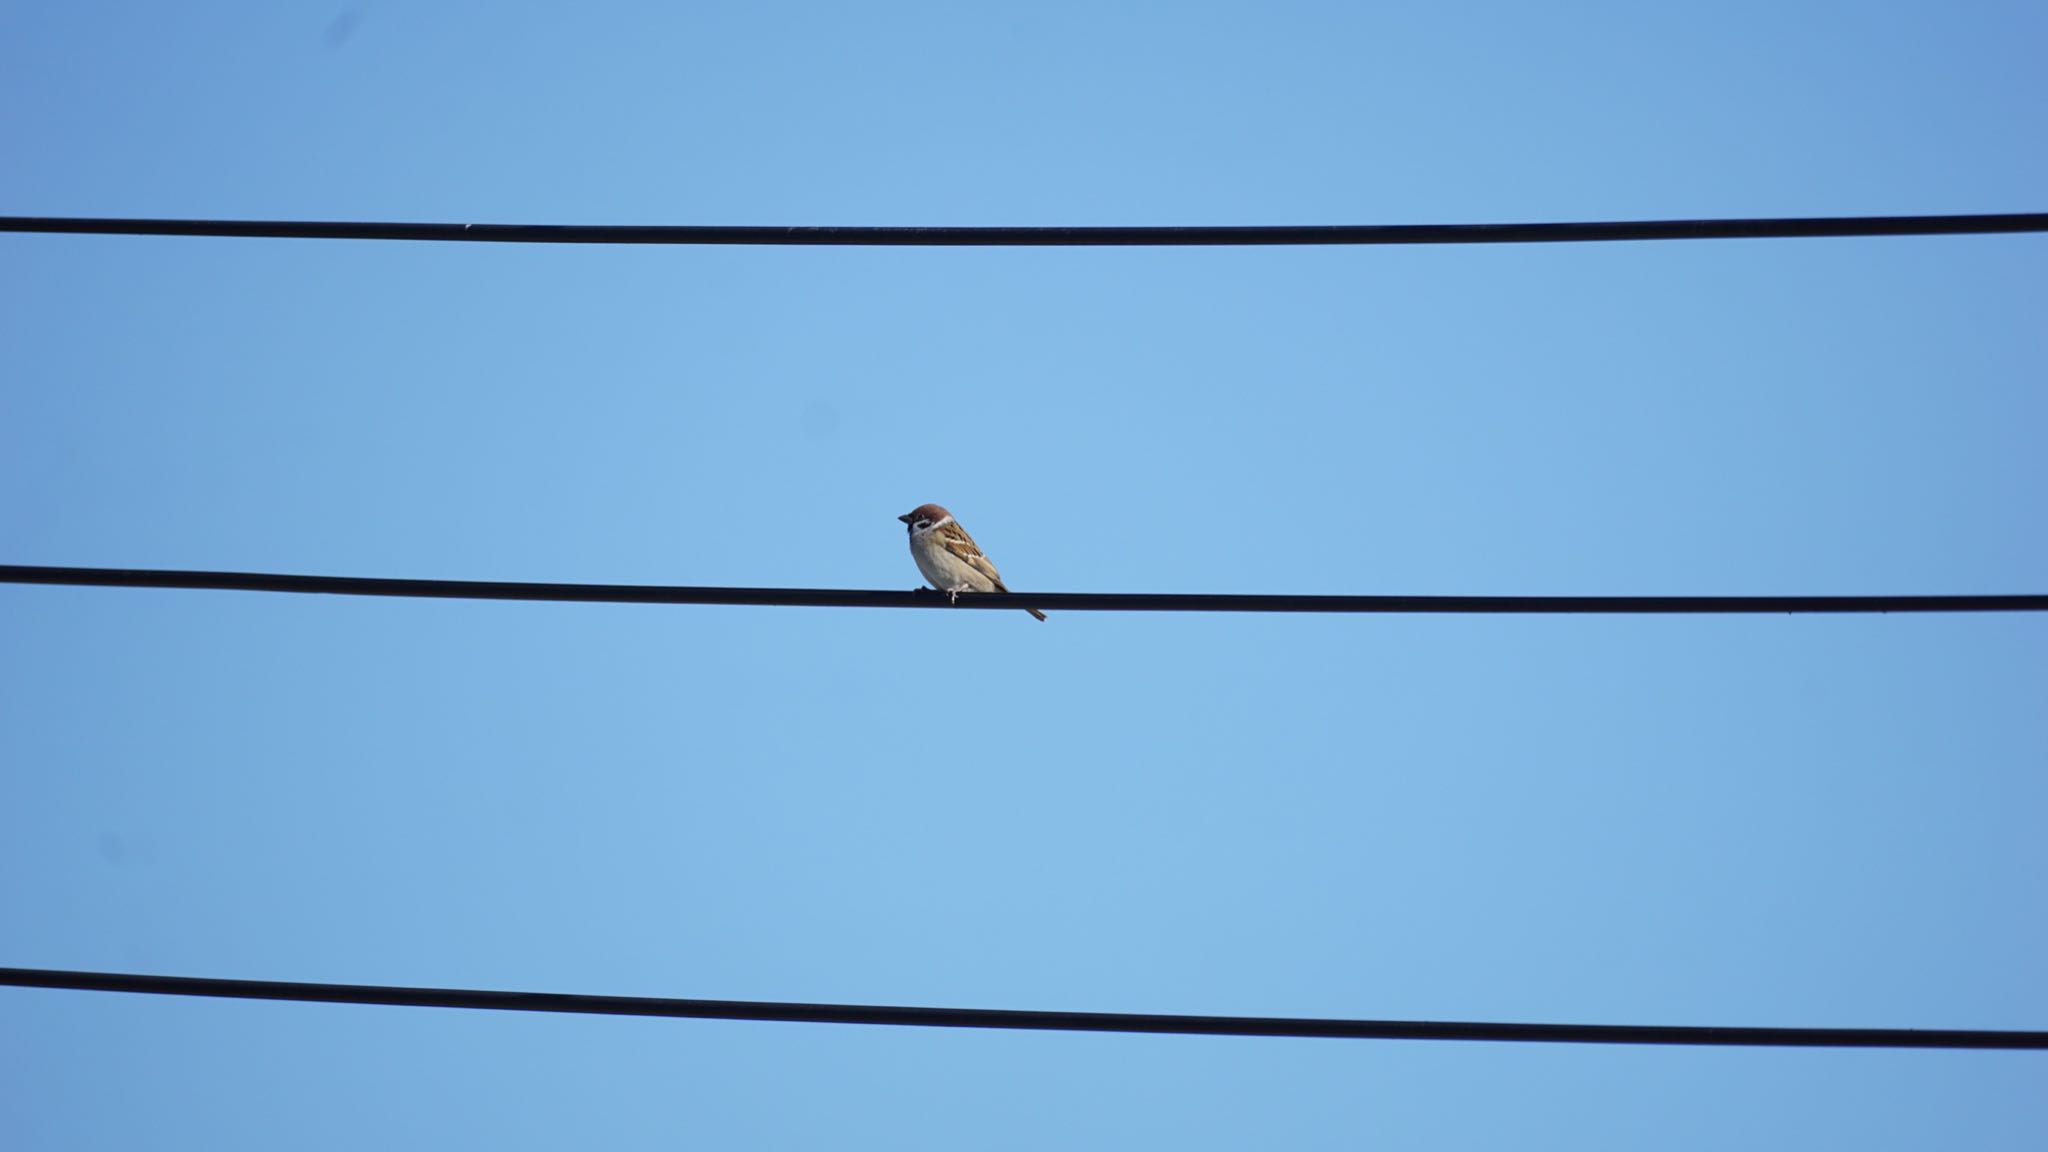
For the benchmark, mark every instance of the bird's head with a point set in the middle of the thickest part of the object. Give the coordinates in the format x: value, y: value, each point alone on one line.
x: 924, y: 517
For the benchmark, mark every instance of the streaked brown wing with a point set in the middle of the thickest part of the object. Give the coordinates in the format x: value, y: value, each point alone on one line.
x: 960, y: 544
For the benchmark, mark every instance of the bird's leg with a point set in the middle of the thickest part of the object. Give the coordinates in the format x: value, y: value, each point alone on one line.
x: 953, y: 594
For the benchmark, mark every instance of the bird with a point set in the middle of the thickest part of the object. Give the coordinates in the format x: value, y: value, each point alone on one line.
x: 949, y: 557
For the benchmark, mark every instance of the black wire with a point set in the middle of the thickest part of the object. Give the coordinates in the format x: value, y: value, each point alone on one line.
x: 1048, y: 601
x: 1053, y: 236
x: 1007, y: 1018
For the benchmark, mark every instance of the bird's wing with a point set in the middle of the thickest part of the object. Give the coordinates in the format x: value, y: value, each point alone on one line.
x: 960, y: 544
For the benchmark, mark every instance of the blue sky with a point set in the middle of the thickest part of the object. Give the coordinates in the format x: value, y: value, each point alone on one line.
x: 1771, y: 820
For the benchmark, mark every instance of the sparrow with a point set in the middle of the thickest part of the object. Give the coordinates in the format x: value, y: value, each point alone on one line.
x: 949, y: 557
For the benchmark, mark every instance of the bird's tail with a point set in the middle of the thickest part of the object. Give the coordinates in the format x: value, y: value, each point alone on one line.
x: 1004, y: 589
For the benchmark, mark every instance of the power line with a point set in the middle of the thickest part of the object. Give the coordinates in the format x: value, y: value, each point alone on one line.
x: 1010, y: 1018
x: 1047, y: 601
x: 1053, y: 236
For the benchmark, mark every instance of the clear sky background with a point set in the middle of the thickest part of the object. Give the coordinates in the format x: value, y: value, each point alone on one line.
x: 1769, y: 820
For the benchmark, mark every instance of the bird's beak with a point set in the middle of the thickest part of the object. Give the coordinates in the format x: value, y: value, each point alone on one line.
x: 905, y: 517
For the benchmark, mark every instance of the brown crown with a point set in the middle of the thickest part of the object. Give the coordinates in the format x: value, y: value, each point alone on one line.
x: 930, y: 512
